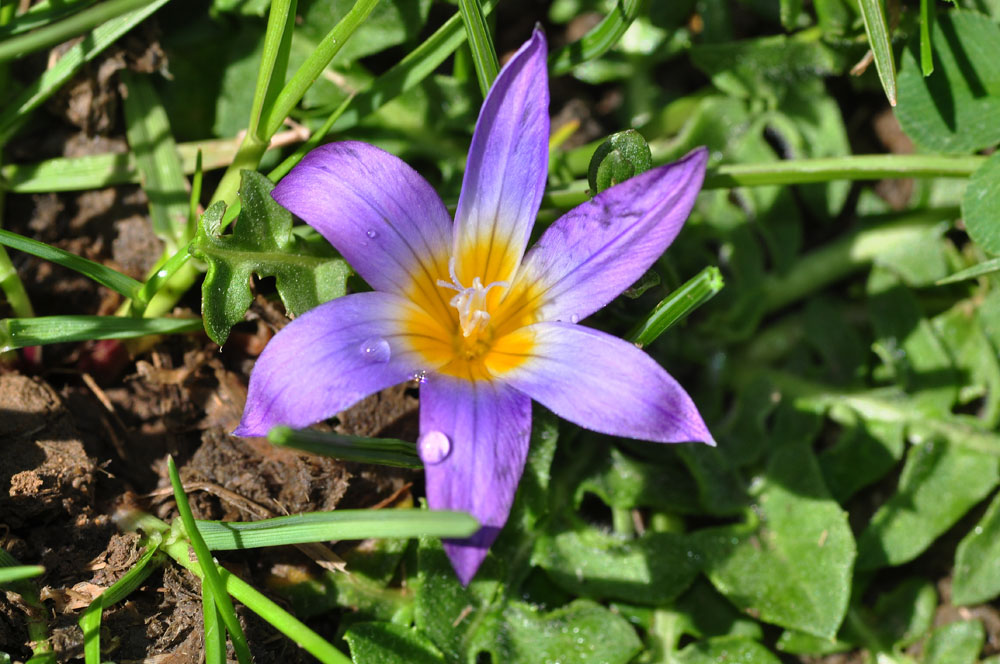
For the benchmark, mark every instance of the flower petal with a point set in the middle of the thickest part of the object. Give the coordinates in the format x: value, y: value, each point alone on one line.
x: 602, y: 383
x: 488, y: 427
x: 379, y: 213
x: 506, y: 170
x: 329, y: 358
x: 598, y: 249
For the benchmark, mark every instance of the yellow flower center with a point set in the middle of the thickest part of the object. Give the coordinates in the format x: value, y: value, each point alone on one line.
x: 473, y: 329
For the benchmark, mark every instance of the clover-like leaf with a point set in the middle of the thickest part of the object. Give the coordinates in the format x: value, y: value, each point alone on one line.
x: 307, y: 274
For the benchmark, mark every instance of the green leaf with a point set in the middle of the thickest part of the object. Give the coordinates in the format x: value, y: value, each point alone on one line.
x: 653, y: 568
x: 598, y: 40
x: 484, y: 55
x: 878, y: 38
x: 580, y: 633
x: 939, y: 483
x: 625, y: 482
x: 338, y: 525
x: 949, y: 110
x: 865, y: 451
x: 955, y: 643
x: 793, y: 568
x: 19, y: 573
x: 765, y: 67
x: 978, y: 270
x: 386, y: 643
x: 906, y: 613
x: 790, y: 11
x: 977, y: 560
x: 726, y: 649
x: 384, y: 451
x: 392, y: 22
x: 263, y: 243
x: 981, y: 204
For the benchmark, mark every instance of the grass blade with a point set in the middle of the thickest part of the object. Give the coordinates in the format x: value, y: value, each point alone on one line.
x: 19, y: 573
x: 113, y: 279
x: 56, y: 33
x: 215, y: 633
x: 22, y: 332
x: 878, y: 38
x: 211, y: 573
x: 986, y: 267
x: 16, y: 110
x: 926, y: 23
x: 273, y: 61
x: 384, y: 451
x: 90, y: 621
x: 338, y: 525
x: 152, y: 142
x: 598, y: 40
x: 484, y: 55
x: 41, y: 14
x: 694, y: 293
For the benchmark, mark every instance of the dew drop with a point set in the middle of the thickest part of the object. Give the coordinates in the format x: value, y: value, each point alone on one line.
x: 574, y: 319
x: 433, y: 447
x: 371, y: 233
x: 419, y: 377
x: 376, y: 349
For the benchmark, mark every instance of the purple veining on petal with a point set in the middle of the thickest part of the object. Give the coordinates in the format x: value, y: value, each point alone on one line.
x: 326, y: 360
x: 598, y: 249
x: 606, y: 384
x: 489, y: 428
x: 508, y: 163
x: 379, y: 213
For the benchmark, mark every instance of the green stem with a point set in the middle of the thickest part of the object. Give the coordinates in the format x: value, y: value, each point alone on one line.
x: 856, y: 167
x: 76, y: 24
x: 274, y: 59
x: 848, y: 254
x: 158, y: 280
x: 314, y: 65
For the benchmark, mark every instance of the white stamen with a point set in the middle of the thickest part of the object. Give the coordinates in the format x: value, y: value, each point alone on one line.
x: 471, y: 301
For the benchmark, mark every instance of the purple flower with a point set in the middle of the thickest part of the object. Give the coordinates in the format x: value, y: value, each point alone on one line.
x: 483, y: 326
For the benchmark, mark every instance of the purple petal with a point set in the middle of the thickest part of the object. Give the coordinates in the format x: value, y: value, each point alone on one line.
x: 378, y: 212
x: 604, y: 384
x: 598, y: 249
x: 488, y: 426
x: 506, y: 170
x: 329, y: 358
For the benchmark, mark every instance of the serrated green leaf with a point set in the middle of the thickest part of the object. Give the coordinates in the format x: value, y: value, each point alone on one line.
x: 262, y: 244
x: 952, y: 110
x: 981, y: 203
x: 955, y: 643
x: 387, y: 643
x: 977, y: 560
x: 939, y: 483
x: 793, y: 568
x: 580, y: 633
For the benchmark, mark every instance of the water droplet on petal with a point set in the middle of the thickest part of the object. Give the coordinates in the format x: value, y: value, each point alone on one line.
x: 419, y: 377
x: 574, y: 319
x: 433, y: 447
x: 376, y: 349
x: 372, y: 233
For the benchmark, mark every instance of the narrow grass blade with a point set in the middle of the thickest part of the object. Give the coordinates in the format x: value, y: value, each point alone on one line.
x: 215, y: 632
x: 598, y: 40
x: 56, y: 33
x: 484, y: 55
x: 273, y: 61
x: 881, y: 45
x: 277, y: 617
x: 694, y: 293
x: 13, y: 287
x: 22, y: 332
x: 90, y: 621
x: 42, y: 14
x: 152, y: 142
x: 19, y: 573
x: 417, y: 65
x: 384, y: 451
x: 338, y: 525
x: 113, y: 279
x: 16, y: 110
x: 986, y: 267
x: 314, y: 65
x: 926, y: 23
x: 211, y: 572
